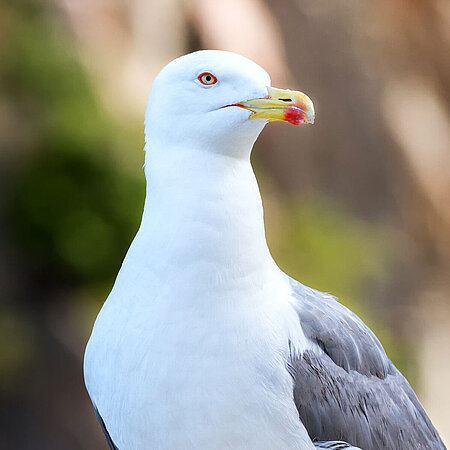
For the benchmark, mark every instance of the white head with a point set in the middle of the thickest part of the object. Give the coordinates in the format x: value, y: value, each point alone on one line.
x: 205, y: 99
x: 203, y: 206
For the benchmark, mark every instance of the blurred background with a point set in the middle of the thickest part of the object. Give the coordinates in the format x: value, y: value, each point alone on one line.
x: 357, y: 205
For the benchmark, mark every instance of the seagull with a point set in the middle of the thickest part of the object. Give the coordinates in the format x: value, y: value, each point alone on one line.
x: 203, y: 342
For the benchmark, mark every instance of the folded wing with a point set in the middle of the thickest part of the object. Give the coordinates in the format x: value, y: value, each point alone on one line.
x: 348, y: 389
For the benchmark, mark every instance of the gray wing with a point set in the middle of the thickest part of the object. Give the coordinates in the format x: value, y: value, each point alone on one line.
x: 334, y: 445
x: 349, y: 389
x: 110, y: 442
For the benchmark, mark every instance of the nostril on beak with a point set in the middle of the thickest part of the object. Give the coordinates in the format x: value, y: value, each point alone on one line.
x: 285, y: 99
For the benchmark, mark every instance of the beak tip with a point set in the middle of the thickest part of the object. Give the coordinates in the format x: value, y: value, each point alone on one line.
x: 298, y: 116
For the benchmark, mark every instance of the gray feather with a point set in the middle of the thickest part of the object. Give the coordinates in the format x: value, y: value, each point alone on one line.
x: 335, y: 445
x: 351, y: 391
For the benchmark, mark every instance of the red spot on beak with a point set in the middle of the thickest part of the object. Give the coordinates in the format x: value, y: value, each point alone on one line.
x: 294, y: 115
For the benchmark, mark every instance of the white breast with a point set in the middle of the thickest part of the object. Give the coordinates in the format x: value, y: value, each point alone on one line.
x: 190, y: 350
x: 179, y: 373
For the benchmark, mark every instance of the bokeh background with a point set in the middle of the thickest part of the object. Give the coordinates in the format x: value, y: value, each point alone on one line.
x: 357, y: 205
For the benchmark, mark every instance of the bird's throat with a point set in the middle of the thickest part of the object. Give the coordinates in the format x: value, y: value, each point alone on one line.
x: 203, y: 215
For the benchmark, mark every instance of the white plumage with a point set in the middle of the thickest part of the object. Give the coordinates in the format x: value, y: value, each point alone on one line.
x: 189, y: 350
x: 192, y: 349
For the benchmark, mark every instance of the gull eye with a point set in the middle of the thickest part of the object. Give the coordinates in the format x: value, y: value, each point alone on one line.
x: 207, y: 78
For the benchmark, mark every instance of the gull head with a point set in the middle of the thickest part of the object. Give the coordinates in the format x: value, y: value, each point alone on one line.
x: 218, y: 101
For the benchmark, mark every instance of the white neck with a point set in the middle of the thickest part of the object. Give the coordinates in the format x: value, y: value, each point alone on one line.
x: 203, y: 214
x: 199, y: 303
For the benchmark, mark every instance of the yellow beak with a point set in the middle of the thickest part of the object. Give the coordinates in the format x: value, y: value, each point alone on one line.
x: 281, y: 104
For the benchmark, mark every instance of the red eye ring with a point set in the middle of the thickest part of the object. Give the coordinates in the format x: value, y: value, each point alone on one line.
x: 207, y: 78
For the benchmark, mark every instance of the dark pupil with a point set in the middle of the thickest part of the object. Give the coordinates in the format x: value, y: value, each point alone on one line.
x: 208, y: 78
